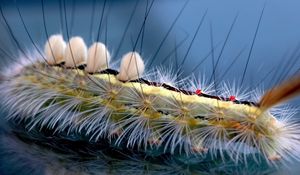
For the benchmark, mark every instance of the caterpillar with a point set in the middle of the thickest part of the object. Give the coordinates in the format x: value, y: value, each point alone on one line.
x: 69, y: 96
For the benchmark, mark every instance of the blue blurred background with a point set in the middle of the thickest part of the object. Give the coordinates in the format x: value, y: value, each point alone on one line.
x: 274, y: 53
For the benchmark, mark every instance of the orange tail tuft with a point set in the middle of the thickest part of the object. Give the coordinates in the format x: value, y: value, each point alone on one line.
x: 285, y: 91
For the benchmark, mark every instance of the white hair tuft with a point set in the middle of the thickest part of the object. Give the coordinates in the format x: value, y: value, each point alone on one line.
x: 76, y: 52
x: 98, y: 58
x: 132, y: 67
x: 55, y: 49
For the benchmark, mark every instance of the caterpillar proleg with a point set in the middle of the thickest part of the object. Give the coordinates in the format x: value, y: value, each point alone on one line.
x: 71, y: 108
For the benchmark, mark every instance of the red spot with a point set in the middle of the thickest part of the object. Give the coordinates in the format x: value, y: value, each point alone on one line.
x: 232, y: 98
x: 198, y: 91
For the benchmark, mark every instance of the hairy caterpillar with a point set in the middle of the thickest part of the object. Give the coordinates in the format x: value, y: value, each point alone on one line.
x: 151, y: 117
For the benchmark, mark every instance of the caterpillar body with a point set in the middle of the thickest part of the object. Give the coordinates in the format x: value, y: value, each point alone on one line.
x: 103, y: 104
x: 69, y: 104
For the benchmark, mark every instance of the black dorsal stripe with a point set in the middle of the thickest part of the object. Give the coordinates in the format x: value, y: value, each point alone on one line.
x: 166, y: 86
